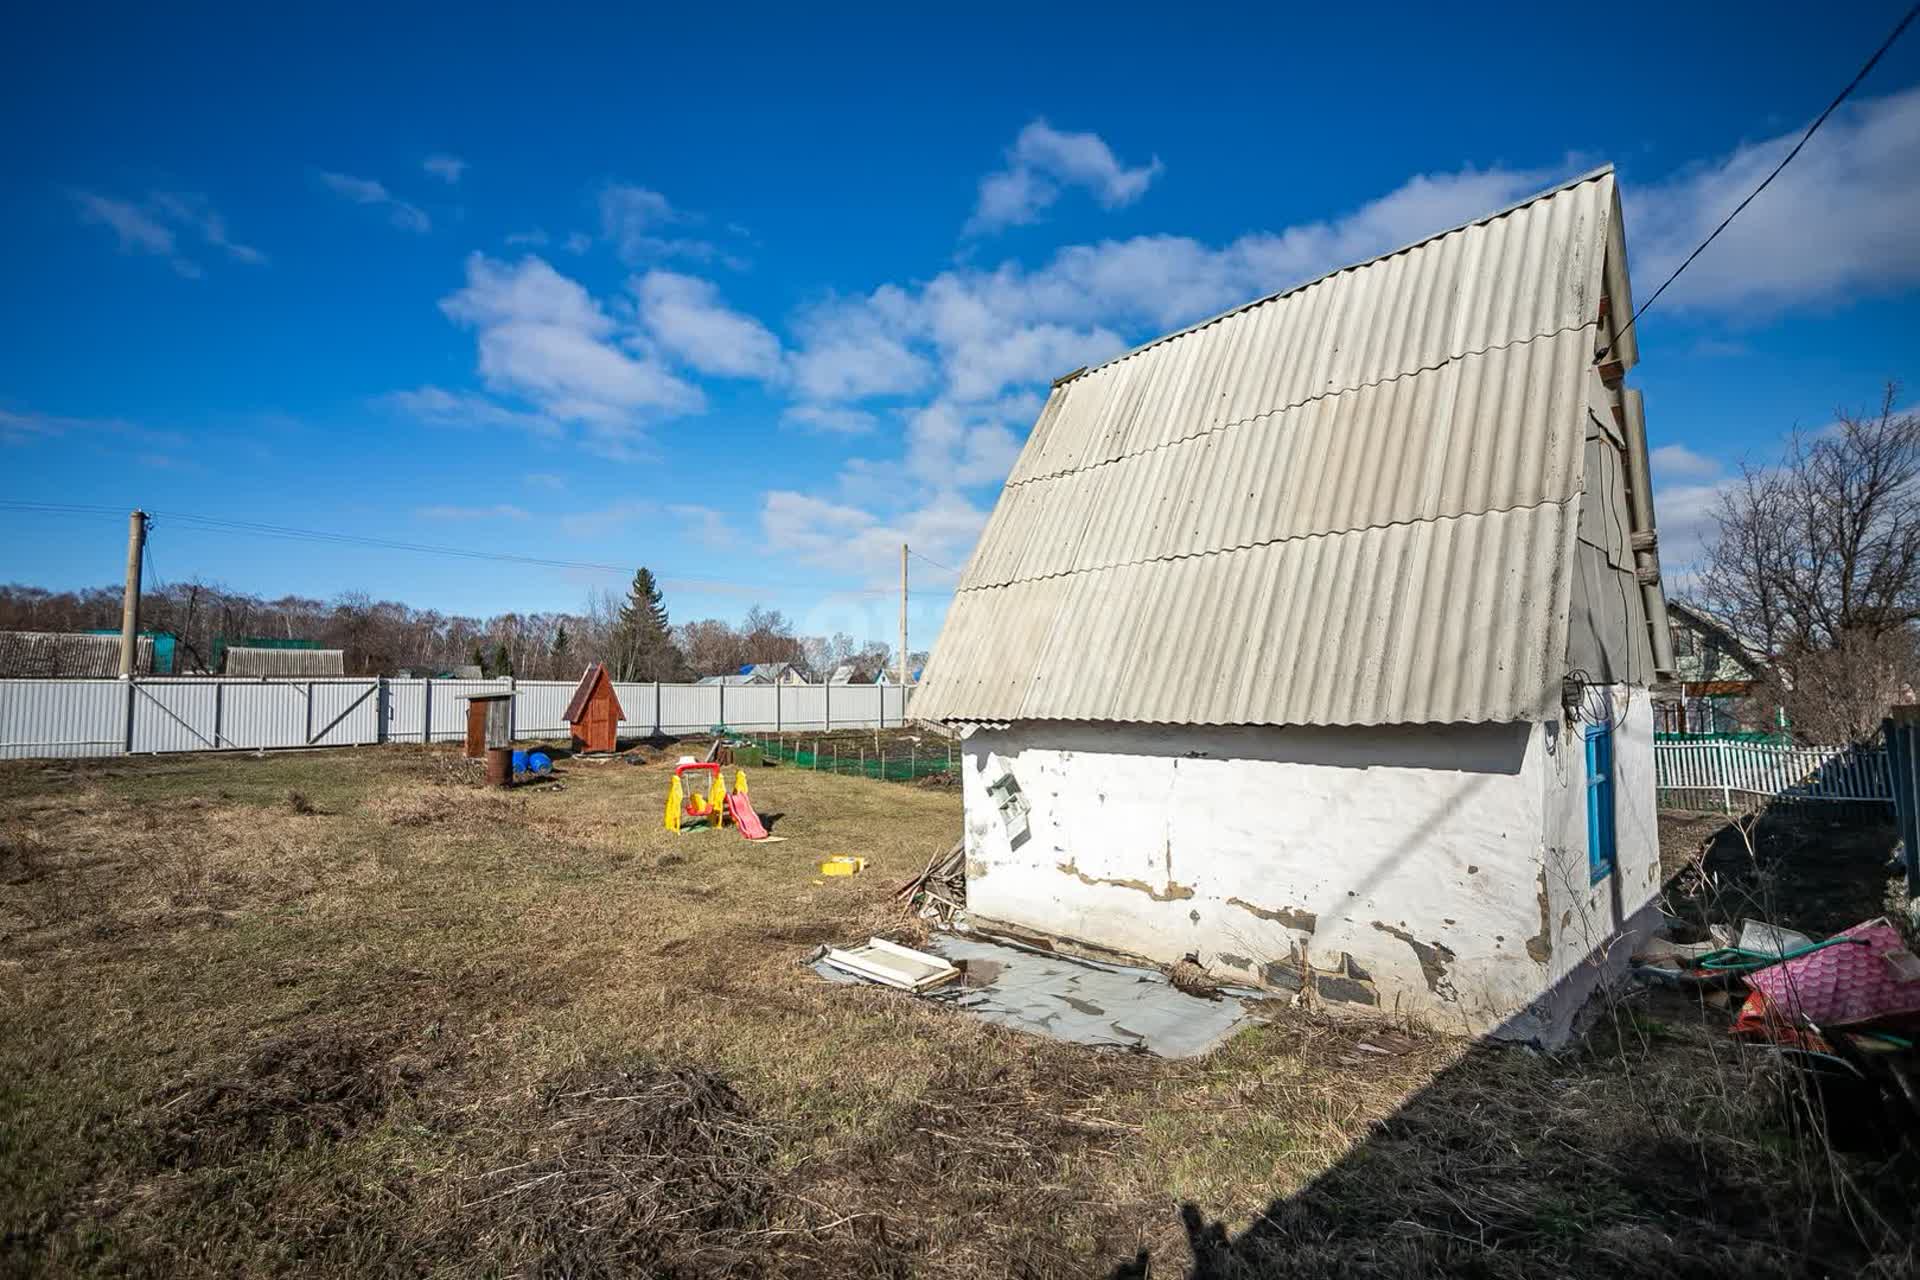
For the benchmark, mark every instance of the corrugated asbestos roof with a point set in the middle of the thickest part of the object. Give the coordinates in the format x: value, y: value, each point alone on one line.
x: 246, y: 661
x: 58, y: 654
x: 1350, y: 503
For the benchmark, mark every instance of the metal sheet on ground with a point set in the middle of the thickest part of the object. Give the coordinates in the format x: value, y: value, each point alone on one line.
x: 1080, y: 1001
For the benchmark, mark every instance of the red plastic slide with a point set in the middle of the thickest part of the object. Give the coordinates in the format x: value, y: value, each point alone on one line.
x: 740, y: 809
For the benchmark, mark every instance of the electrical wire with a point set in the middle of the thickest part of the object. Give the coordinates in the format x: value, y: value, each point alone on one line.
x: 930, y: 560
x: 220, y: 525
x: 1858, y: 76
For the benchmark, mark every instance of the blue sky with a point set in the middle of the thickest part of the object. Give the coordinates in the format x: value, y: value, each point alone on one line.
x: 751, y: 297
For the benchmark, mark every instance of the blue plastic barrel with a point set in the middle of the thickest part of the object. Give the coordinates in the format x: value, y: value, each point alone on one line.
x: 519, y: 762
x: 540, y: 762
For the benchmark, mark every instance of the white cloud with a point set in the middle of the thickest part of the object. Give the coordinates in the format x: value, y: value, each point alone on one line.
x: 1687, y: 486
x: 444, y: 167
x: 442, y: 408
x: 604, y: 522
x: 543, y: 339
x: 853, y: 540
x: 637, y: 222
x: 686, y: 317
x: 974, y: 333
x: 534, y: 239
x: 151, y: 228
x: 498, y: 511
x: 577, y: 242
x: 1838, y: 220
x: 837, y: 419
x: 710, y: 528
x: 366, y: 191
x: 1676, y: 462
x: 1041, y: 163
x: 197, y: 213
x: 37, y: 428
x: 544, y: 480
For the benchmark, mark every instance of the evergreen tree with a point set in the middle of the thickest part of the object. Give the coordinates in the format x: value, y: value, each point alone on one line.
x: 479, y: 658
x: 643, y: 645
x: 562, y: 650
x: 502, y: 660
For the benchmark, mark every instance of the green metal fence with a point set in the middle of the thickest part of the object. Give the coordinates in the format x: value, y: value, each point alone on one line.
x: 860, y: 758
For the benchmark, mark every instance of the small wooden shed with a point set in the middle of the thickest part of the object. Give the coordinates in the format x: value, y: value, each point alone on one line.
x: 489, y: 720
x: 594, y: 714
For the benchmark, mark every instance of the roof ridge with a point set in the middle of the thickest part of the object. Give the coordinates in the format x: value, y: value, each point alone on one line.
x: 1591, y: 175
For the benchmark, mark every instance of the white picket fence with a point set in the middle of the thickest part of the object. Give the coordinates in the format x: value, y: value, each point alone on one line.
x: 115, y: 717
x: 1732, y: 774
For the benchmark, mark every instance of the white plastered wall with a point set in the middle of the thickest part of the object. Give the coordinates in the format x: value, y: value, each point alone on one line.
x: 1403, y: 860
x: 1418, y: 868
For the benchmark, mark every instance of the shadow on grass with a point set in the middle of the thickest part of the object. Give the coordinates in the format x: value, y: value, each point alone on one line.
x: 1656, y: 1145
x: 1651, y: 1150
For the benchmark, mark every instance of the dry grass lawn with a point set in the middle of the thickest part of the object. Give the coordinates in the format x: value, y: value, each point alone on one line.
x: 346, y: 1012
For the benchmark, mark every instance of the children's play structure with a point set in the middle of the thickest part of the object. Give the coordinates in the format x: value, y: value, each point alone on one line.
x: 698, y: 799
x: 594, y: 714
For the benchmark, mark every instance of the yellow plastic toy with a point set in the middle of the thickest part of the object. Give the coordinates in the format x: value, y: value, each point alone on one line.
x: 695, y: 800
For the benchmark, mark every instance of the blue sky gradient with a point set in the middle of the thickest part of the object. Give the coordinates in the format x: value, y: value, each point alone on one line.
x: 749, y: 297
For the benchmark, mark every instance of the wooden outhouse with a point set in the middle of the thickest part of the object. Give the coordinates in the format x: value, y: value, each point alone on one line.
x: 594, y: 714
x: 489, y: 720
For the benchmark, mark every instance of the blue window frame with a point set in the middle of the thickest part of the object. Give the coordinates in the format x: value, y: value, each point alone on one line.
x: 1600, y: 839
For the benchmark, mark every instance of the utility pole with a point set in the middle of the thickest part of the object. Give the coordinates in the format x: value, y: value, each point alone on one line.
x: 130, y: 601
x: 903, y: 615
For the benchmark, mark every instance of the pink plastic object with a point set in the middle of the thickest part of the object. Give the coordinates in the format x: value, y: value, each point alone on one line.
x: 1839, y: 985
x: 740, y: 809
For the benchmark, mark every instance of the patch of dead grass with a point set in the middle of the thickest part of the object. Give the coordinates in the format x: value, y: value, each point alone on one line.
x: 431, y: 1026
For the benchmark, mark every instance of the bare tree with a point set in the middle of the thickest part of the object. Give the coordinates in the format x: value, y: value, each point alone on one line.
x: 1815, y: 569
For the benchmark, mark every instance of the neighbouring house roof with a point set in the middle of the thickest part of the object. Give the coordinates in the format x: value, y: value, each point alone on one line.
x: 1717, y: 656
x: 300, y: 663
x: 843, y: 674
x: 62, y: 654
x: 1353, y: 502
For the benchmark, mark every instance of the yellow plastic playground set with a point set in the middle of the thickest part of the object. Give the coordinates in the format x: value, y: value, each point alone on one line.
x: 698, y: 800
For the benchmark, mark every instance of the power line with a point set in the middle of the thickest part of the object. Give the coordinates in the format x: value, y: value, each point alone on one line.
x: 1812, y: 129
x: 930, y: 560
x: 219, y: 525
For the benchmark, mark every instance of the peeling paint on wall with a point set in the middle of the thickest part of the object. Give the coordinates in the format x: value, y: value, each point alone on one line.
x: 1434, y: 957
x: 1540, y: 945
x: 1172, y: 893
x: 1291, y: 917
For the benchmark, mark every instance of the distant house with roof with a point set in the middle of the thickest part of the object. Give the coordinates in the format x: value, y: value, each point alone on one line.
x: 59, y: 655
x: 249, y: 662
x: 1315, y: 640
x: 760, y: 673
x: 1715, y: 675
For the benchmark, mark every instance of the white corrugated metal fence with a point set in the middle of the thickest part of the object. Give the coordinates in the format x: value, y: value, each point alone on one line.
x: 112, y: 717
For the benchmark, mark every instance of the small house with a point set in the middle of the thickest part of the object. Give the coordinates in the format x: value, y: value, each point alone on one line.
x: 593, y: 714
x: 1314, y: 641
x: 49, y: 655
x: 254, y: 662
x: 1715, y: 675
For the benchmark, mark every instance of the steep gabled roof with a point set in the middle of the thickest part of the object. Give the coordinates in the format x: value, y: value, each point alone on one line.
x: 592, y: 676
x: 1353, y: 502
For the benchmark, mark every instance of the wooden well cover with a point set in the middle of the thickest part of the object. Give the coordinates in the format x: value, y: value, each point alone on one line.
x: 594, y: 714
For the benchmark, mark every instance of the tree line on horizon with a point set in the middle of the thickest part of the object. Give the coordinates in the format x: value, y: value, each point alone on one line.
x: 632, y: 634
